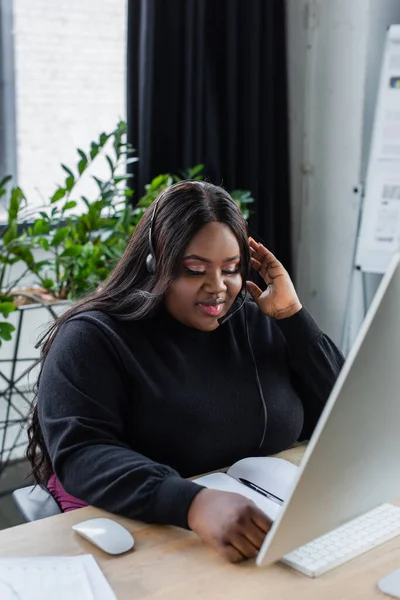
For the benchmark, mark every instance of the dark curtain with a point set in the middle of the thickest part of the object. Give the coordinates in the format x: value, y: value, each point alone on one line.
x: 207, y: 84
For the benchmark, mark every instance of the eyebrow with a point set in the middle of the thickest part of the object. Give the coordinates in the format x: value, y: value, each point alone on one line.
x: 206, y: 260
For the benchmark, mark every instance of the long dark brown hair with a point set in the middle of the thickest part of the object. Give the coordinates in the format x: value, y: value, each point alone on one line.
x: 131, y: 292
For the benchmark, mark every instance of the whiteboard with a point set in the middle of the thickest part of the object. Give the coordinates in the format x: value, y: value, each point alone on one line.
x: 379, y: 236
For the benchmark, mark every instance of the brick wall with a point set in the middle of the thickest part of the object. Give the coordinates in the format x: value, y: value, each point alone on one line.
x: 70, y: 68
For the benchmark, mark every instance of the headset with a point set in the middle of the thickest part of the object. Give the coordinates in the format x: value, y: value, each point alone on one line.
x: 151, y: 257
x: 151, y: 267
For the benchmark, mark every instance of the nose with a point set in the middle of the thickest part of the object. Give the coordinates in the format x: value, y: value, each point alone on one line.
x: 215, y: 283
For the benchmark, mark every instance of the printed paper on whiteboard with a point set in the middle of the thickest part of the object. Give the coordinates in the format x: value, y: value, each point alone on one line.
x: 385, y: 225
x: 380, y: 227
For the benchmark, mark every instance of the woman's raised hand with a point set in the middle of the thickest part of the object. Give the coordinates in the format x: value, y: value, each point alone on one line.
x: 279, y: 300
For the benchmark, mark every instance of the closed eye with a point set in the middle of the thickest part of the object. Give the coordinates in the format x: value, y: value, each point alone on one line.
x: 198, y: 273
x: 234, y: 272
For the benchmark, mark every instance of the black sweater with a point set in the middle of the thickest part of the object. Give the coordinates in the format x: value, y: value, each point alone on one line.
x: 130, y: 409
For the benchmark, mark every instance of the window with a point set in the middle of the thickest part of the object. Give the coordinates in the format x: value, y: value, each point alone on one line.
x: 69, y: 74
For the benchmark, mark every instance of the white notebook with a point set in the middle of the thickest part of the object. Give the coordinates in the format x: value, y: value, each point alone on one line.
x: 53, y: 577
x: 265, y: 480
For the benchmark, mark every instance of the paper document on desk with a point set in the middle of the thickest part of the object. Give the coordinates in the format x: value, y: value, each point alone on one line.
x: 53, y: 577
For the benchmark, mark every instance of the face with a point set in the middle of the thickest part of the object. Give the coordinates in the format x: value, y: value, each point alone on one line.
x: 209, y: 278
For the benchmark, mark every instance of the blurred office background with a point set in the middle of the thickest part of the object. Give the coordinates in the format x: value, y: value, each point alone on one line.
x: 274, y: 96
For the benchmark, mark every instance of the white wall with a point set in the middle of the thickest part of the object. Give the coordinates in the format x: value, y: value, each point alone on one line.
x: 299, y: 57
x: 334, y: 50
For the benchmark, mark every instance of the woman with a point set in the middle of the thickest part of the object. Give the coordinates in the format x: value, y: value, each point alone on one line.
x: 170, y: 370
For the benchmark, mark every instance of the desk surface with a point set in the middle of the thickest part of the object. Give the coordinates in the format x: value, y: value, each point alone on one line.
x: 169, y: 563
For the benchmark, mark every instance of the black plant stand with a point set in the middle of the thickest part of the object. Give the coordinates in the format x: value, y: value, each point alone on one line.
x: 16, y: 397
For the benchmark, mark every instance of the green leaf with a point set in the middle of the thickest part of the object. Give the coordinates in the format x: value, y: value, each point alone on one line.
x: 121, y: 127
x: 99, y: 182
x: 48, y: 283
x: 68, y: 205
x: 103, y: 138
x: 60, y: 193
x: 195, y: 171
x: 6, y: 330
x: 159, y: 182
x: 25, y: 255
x: 60, y: 235
x: 37, y: 267
x: 88, y: 249
x: 69, y: 183
x: 82, y: 154
x: 5, y: 180
x: 94, y: 150
x: 16, y: 199
x: 44, y: 243
x: 123, y: 177
x: 11, y: 233
x: 110, y: 164
x: 72, y: 251
x: 82, y: 164
x: 243, y: 196
x: 68, y: 170
x: 41, y: 227
x: 6, y: 308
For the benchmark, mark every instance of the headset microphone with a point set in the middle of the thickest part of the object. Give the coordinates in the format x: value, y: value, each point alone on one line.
x: 226, y: 318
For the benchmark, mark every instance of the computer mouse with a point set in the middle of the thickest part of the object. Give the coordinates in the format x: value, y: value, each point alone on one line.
x: 106, y: 534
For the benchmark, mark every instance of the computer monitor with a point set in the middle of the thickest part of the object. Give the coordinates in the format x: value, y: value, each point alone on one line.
x: 352, y: 462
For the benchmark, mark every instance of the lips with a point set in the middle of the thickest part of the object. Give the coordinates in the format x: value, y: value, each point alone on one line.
x: 212, y: 308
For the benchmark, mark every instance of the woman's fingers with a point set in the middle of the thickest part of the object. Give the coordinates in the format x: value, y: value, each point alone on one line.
x: 261, y: 521
x: 243, y: 545
x: 263, y: 255
x: 263, y: 269
x: 250, y: 539
x: 256, y: 263
x: 232, y: 554
x: 256, y: 534
x: 263, y: 251
x: 253, y: 244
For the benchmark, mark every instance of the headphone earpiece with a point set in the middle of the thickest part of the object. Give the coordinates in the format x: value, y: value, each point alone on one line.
x: 151, y: 257
x: 151, y: 264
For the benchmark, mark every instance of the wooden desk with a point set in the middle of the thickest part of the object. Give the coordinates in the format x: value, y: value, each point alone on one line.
x: 169, y: 563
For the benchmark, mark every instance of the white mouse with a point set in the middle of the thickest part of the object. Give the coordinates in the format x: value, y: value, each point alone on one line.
x: 106, y: 534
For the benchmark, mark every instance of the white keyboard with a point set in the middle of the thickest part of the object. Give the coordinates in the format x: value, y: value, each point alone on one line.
x: 346, y: 542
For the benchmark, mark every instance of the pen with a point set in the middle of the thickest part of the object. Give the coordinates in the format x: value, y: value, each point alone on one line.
x: 260, y: 490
